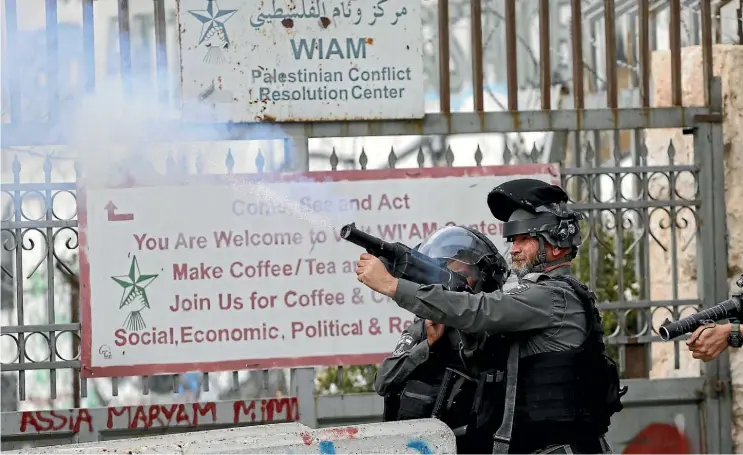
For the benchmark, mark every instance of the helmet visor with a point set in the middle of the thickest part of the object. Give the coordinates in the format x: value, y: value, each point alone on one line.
x: 540, y: 223
x: 457, y: 244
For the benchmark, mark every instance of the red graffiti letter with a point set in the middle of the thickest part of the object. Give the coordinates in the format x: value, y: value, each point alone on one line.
x: 153, y: 415
x: 27, y: 418
x: 239, y: 408
x: 208, y: 408
x: 83, y: 416
x: 277, y: 405
x: 168, y: 412
x: 115, y: 412
x: 139, y: 415
x: 182, y: 416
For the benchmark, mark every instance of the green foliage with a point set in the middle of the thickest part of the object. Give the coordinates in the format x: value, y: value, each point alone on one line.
x: 607, y: 274
x: 354, y: 379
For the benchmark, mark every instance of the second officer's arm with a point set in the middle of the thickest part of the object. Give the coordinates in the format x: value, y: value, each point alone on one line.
x: 528, y: 307
x: 412, y: 350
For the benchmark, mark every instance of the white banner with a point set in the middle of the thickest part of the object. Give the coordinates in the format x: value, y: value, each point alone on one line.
x: 301, y: 60
x: 225, y: 274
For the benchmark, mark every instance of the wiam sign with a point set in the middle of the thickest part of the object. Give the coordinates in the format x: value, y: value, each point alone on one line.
x: 301, y: 60
x: 244, y: 272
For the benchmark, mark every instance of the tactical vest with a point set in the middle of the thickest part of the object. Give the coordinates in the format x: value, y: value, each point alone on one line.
x: 463, y: 388
x: 568, y: 396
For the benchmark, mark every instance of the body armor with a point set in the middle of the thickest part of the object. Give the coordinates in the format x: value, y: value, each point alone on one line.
x: 462, y: 387
x: 567, y: 397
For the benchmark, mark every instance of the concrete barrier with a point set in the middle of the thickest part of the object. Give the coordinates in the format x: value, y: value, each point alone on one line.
x: 426, y: 436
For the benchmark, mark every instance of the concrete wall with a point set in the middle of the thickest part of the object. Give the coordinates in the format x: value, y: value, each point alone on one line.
x: 727, y: 63
x: 427, y: 436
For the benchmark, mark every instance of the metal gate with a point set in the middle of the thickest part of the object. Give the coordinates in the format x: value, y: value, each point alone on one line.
x: 605, y: 135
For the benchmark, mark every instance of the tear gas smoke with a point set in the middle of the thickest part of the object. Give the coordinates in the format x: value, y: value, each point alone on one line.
x: 116, y: 137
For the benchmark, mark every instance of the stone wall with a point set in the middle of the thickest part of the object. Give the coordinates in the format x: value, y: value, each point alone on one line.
x: 728, y: 64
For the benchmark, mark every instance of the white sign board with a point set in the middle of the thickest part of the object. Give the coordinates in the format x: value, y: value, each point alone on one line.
x: 224, y: 274
x: 301, y: 60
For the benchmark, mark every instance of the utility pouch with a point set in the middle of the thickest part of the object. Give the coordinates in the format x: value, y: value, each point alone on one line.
x: 417, y: 400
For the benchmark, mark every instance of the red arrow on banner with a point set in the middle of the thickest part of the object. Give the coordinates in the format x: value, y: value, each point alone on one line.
x: 111, y: 208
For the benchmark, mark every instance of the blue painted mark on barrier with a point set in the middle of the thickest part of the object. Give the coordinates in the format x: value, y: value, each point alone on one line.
x: 327, y: 447
x: 419, y: 446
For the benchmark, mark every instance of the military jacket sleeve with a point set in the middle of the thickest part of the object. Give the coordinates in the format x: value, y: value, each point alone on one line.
x: 529, y: 306
x: 411, y: 351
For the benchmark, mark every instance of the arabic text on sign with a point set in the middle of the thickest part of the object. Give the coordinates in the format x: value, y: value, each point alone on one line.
x: 317, y: 9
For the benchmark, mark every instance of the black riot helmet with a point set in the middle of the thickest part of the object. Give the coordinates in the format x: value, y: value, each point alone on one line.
x: 466, y: 245
x: 538, y: 209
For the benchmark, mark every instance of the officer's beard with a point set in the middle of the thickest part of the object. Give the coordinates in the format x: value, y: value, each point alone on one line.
x: 520, y: 266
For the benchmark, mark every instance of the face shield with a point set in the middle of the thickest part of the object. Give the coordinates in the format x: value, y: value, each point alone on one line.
x: 455, y: 243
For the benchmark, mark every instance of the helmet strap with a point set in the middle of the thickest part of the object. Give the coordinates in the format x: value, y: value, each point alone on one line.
x: 542, y: 264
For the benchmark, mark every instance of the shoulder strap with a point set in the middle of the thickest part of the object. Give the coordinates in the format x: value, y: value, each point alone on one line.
x: 502, y: 437
x: 536, y: 277
x: 588, y: 299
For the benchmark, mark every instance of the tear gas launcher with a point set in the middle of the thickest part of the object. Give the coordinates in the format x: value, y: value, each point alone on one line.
x: 730, y: 308
x: 404, y: 262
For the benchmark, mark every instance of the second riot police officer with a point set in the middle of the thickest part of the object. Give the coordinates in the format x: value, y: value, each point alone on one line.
x: 435, y: 371
x: 560, y: 388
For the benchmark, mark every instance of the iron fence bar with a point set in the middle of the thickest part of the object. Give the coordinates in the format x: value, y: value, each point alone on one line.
x: 674, y: 38
x: 633, y: 205
x: 676, y: 168
x: 431, y: 124
x: 706, y: 19
x: 36, y: 187
x: 576, y: 25
x: 50, y: 270
x: 11, y: 55
x: 512, y: 66
x: 649, y: 304
x: 7, y: 329
x: 74, y: 284
x: 88, y: 45
x: 443, y: 37
x: 52, y: 61
x: 18, y: 275
x: 610, y: 53
x: 161, y: 50
x: 53, y: 366
x: 644, y: 50
x: 125, y: 49
x: 32, y: 224
x: 545, y: 63
x: 624, y: 340
x: 476, y: 42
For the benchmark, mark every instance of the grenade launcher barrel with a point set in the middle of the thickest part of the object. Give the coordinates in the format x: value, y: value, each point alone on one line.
x: 723, y: 310
x: 404, y: 262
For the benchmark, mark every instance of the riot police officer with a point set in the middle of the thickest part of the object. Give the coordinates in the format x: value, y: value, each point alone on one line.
x: 561, y: 388
x: 433, y: 370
